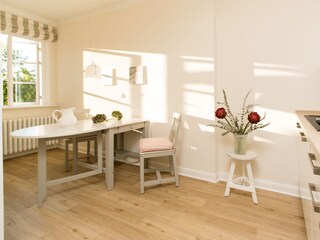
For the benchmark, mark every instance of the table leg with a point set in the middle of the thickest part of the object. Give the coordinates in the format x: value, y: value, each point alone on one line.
x: 145, y: 134
x: 75, y: 156
x: 109, y: 159
x: 42, y: 171
x: 99, y: 150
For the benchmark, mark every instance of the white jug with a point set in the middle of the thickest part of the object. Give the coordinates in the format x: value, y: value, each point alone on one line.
x: 67, y: 117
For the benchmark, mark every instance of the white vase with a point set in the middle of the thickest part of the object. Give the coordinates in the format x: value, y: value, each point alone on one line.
x: 240, y: 144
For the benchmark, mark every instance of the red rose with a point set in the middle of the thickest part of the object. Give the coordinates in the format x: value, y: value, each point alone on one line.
x: 221, y: 113
x: 254, y: 117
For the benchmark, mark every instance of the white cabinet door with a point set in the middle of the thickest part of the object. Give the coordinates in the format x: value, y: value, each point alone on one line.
x: 305, y: 177
x: 316, y: 226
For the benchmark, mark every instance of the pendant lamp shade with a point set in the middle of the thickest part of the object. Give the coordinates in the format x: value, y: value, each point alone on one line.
x: 93, y: 71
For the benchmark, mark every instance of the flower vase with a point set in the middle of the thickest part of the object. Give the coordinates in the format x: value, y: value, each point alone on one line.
x: 240, y: 144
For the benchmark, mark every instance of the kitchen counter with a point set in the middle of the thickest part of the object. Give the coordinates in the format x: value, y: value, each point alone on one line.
x: 308, y: 150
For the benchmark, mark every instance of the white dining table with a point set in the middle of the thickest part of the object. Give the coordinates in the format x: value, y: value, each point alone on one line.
x: 49, y: 132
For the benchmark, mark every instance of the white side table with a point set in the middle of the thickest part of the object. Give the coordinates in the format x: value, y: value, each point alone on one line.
x: 242, y: 183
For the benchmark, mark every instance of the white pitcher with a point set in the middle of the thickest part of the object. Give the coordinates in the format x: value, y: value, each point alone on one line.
x: 67, y: 117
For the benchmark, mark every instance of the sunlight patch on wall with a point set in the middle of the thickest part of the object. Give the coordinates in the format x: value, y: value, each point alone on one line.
x: 281, y: 123
x: 277, y: 70
x: 192, y: 147
x: 198, y: 100
x: 132, y: 100
x: 206, y: 128
x: 197, y: 64
x: 154, y: 95
x: 257, y: 96
x: 263, y: 140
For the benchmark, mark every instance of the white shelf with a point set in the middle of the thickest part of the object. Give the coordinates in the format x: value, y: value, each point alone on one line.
x: 127, y: 157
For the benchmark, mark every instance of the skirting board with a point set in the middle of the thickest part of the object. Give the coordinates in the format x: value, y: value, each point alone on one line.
x: 223, y: 176
x: 201, y: 175
x: 269, y: 185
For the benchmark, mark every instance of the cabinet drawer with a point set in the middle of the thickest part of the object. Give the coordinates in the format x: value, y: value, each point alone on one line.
x: 131, y: 127
x: 316, y: 226
x: 315, y: 164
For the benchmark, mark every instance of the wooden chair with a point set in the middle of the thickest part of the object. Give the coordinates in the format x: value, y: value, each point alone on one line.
x: 81, y: 114
x: 160, y: 147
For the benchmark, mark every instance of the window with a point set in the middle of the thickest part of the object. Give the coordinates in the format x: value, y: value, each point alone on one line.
x: 21, y: 72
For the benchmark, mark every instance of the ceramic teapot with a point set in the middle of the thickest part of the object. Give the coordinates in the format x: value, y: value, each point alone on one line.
x: 67, y: 117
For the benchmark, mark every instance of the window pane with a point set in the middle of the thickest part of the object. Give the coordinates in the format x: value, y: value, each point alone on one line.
x: 24, y: 50
x: 24, y: 72
x: 4, y: 79
x: 4, y: 68
x: 5, y: 92
x: 20, y: 69
x: 24, y: 93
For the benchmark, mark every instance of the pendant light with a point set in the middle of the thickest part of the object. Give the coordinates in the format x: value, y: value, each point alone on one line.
x: 93, y: 71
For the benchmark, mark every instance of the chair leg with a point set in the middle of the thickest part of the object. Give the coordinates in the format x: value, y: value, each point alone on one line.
x: 175, y: 169
x: 171, y: 166
x: 158, y: 175
x: 141, y: 175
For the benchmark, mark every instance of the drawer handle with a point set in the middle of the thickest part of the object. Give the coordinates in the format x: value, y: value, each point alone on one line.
x: 298, y: 125
x: 314, y: 163
x: 315, y: 195
x: 303, y: 137
x: 135, y: 130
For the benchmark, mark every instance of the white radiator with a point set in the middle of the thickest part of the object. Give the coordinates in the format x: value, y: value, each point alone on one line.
x: 14, y: 147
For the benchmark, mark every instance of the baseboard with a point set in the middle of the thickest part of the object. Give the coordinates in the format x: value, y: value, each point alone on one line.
x: 223, y: 176
x: 269, y: 185
x: 277, y: 187
x: 19, y: 154
x: 201, y: 175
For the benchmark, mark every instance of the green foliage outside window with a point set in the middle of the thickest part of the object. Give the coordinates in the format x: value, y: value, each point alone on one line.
x: 24, y: 79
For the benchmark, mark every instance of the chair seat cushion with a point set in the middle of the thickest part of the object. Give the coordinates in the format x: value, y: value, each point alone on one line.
x: 155, y: 144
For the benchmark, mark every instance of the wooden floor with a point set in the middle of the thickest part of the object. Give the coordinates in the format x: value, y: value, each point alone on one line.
x: 84, y: 209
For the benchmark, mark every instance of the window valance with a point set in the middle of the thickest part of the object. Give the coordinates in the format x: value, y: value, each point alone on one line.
x: 11, y: 23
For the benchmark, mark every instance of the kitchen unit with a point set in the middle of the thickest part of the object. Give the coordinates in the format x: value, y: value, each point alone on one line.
x: 308, y: 127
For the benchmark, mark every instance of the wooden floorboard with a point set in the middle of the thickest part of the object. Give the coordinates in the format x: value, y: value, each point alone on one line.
x: 84, y: 209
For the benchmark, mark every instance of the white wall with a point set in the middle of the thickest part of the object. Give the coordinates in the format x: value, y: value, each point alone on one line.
x: 192, y: 50
x: 175, y: 40
x: 273, y: 48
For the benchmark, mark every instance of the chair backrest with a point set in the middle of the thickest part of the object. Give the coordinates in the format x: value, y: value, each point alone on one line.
x: 175, y: 128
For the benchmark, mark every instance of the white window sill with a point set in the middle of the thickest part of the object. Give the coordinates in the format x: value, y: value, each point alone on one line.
x: 28, y: 106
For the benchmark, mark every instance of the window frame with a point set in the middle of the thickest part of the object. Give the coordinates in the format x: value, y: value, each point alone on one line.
x: 40, y: 72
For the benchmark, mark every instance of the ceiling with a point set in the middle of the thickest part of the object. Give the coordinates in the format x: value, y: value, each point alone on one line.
x: 65, y: 10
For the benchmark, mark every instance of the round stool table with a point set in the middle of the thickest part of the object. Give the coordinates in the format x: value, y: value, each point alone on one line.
x: 242, y: 183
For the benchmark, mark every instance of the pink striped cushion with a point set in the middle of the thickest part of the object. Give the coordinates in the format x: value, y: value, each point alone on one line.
x: 155, y: 144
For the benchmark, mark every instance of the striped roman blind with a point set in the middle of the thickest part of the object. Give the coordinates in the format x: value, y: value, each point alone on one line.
x: 11, y: 23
